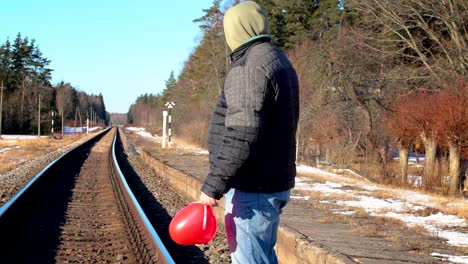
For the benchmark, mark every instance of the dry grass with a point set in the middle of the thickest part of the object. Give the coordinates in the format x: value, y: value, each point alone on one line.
x: 195, y: 132
x: 369, y: 230
x: 184, y: 145
x: 27, y: 149
x: 148, y: 143
x: 420, y: 229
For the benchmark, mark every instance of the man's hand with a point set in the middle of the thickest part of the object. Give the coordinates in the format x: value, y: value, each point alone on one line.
x: 205, y: 199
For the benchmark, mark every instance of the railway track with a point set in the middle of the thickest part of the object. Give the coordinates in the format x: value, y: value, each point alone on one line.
x: 79, y: 210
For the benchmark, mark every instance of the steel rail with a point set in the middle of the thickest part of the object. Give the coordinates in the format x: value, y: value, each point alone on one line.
x: 152, y: 250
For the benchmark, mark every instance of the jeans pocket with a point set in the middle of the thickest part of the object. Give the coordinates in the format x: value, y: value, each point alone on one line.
x: 271, y: 204
x: 243, y: 205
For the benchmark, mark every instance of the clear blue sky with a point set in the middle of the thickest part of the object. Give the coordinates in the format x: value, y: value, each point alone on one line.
x: 119, y: 48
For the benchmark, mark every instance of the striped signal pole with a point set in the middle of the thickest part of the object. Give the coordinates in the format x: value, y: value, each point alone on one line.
x: 169, y: 105
x: 164, y: 129
x: 53, y: 113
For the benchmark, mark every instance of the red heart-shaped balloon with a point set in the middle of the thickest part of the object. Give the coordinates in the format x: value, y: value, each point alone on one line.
x: 194, y: 224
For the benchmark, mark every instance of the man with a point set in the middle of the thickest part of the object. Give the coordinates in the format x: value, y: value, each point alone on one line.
x: 252, y: 140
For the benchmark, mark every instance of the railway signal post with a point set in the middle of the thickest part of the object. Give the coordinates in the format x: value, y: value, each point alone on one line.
x: 169, y: 105
x: 164, y: 129
x: 53, y: 113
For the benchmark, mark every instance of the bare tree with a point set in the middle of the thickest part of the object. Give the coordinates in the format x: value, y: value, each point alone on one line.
x: 65, y: 100
x: 420, y: 32
x: 400, y: 126
x: 452, y: 123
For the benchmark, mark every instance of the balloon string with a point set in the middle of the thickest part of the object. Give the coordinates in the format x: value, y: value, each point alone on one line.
x: 204, y: 217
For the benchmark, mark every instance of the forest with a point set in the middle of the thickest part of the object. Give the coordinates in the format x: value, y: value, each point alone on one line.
x: 30, y: 100
x: 375, y: 76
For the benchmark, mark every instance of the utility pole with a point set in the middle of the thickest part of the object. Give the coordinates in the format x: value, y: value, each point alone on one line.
x: 39, y: 117
x: 63, y: 114
x: 81, y: 122
x: 74, y: 125
x: 1, y: 108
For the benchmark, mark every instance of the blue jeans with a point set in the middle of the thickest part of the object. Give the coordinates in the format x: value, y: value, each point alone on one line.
x: 252, y: 221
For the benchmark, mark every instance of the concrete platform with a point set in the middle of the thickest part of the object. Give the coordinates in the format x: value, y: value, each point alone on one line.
x: 309, y: 234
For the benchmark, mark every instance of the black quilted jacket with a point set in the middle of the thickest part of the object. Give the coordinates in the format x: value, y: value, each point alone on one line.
x: 252, y: 141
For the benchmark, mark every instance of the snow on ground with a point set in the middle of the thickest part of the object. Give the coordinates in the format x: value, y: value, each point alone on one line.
x: 142, y: 132
x: 91, y: 129
x: 452, y: 259
x: 135, y: 129
x: 202, y: 152
x: 307, y: 169
x: 19, y: 137
x: 305, y: 198
x: 404, y: 208
x: 3, y: 150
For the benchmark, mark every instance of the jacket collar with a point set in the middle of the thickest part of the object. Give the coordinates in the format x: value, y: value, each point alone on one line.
x: 238, y: 55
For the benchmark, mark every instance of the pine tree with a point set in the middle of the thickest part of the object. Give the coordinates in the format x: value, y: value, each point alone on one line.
x: 171, y: 82
x: 5, y: 63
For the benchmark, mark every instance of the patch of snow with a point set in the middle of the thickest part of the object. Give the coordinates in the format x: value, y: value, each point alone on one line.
x: 144, y: 134
x: 3, y: 150
x: 295, y: 197
x: 10, y: 137
x: 135, y: 129
x: 345, y: 212
x: 434, y: 224
x: 371, y: 204
x: 451, y: 258
x: 414, y: 197
x: 91, y: 129
x: 308, y: 169
x: 327, y: 187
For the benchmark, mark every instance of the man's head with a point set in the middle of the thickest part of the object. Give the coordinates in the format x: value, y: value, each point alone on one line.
x: 243, y: 22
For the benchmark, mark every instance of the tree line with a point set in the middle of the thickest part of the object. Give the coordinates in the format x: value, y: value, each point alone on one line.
x: 30, y: 99
x: 360, y: 63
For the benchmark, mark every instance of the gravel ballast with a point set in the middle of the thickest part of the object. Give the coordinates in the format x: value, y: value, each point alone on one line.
x: 12, y: 181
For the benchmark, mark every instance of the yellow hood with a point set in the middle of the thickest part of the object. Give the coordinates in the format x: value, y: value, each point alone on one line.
x: 243, y: 22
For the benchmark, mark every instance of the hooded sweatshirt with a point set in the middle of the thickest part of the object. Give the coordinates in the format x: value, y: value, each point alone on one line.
x: 243, y: 23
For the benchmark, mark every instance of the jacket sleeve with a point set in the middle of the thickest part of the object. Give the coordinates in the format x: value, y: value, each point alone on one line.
x: 245, y: 92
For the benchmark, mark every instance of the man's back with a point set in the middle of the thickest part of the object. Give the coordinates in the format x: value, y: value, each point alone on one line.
x: 265, y: 81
